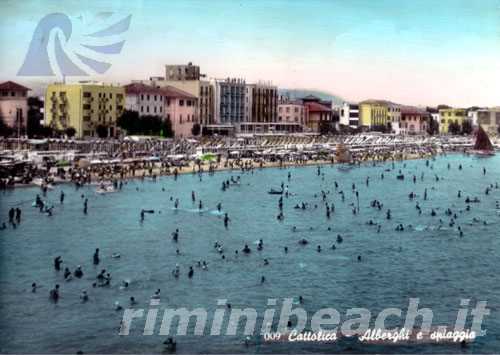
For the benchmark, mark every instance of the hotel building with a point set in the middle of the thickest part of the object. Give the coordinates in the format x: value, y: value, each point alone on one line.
x: 14, y: 105
x: 84, y: 107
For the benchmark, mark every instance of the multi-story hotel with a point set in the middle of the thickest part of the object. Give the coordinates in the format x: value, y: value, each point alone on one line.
x: 144, y: 99
x: 448, y: 116
x: 373, y: 114
x: 167, y: 102
x: 293, y: 112
x: 349, y: 115
x: 319, y: 112
x: 261, y: 107
x: 229, y: 102
x: 84, y: 107
x: 413, y: 120
x: 393, y: 116
x: 189, y: 79
x: 489, y: 119
x: 14, y: 105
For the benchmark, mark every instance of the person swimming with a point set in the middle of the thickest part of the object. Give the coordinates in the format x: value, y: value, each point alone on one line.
x: 246, y: 249
x: 67, y: 274
x: 175, y: 235
x: 95, y: 258
x: 84, y: 297
x: 57, y: 263
x: 54, y: 294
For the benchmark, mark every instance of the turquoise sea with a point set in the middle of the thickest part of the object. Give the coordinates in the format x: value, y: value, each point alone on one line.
x: 437, y: 266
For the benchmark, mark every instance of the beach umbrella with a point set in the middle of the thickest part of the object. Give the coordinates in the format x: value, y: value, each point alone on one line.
x: 208, y: 157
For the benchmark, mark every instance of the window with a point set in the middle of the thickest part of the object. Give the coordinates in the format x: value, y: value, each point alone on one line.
x: 5, y: 93
x: 180, y: 119
x: 188, y: 103
x: 142, y: 108
x: 147, y: 109
x: 168, y: 102
x: 181, y: 102
x: 86, y: 94
x: 110, y: 95
x: 148, y: 97
x: 160, y: 109
x: 155, y: 109
x: 142, y: 96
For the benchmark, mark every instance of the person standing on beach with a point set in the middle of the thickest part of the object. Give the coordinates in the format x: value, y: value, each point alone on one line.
x: 61, y: 197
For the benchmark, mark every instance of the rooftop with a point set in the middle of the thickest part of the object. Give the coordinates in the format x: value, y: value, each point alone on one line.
x: 12, y: 86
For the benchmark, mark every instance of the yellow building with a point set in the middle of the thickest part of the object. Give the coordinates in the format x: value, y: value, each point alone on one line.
x: 373, y: 113
x: 449, y: 115
x: 84, y: 107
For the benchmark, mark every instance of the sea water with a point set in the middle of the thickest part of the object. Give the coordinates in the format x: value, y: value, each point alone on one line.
x: 437, y: 266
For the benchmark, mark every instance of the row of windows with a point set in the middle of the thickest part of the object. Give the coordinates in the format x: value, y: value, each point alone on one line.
x: 12, y: 93
x: 296, y: 109
x: 155, y: 109
x: 188, y: 103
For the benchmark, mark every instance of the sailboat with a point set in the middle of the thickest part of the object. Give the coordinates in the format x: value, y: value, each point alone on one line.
x: 483, y: 146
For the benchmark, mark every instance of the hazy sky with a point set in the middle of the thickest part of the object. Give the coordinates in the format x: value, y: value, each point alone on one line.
x: 407, y: 51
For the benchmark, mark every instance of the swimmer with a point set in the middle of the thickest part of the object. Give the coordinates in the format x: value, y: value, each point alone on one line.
x: 57, y: 263
x: 54, y: 294
x: 96, y: 257
x: 84, y: 297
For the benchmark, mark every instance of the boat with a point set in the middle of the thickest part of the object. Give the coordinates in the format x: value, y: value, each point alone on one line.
x: 344, y: 167
x: 483, y: 146
x: 275, y: 192
x: 106, y: 189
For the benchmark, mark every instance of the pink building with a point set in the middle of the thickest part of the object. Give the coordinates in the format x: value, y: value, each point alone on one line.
x: 413, y: 120
x: 293, y: 112
x: 180, y: 109
x: 14, y: 104
x: 167, y: 102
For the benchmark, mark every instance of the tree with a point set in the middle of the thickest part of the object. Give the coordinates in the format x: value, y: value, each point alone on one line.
x: 5, y: 130
x: 129, y: 121
x: 70, y: 132
x: 167, y: 128
x: 324, y: 127
x: 454, y: 128
x: 133, y: 124
x: 466, y: 127
x: 433, y: 127
x: 102, y: 131
x: 196, y: 129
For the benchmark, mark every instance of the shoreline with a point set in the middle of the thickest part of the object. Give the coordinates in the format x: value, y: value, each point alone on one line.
x: 157, y: 172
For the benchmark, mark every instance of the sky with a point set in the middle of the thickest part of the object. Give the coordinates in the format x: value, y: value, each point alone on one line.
x: 414, y: 52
